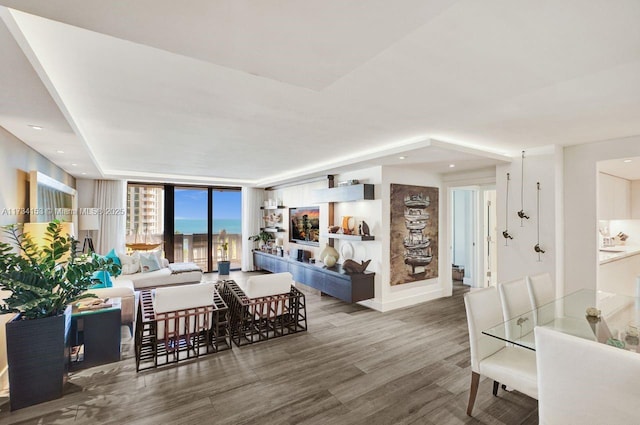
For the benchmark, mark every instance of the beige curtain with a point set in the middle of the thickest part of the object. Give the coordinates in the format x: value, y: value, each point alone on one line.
x: 110, y: 200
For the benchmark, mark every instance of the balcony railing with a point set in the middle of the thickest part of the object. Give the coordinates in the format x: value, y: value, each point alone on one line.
x: 193, y: 248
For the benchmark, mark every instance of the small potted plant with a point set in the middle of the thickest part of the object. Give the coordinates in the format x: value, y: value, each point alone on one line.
x: 263, y: 237
x: 224, y: 265
x: 42, y: 282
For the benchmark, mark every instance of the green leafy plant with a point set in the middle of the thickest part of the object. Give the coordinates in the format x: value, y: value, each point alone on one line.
x: 44, y: 280
x: 224, y: 251
x: 262, y: 236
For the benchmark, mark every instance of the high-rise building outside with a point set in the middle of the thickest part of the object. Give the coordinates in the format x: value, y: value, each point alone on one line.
x: 145, y: 212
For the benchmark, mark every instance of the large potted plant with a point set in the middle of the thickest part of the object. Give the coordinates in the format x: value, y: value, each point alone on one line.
x: 43, y: 280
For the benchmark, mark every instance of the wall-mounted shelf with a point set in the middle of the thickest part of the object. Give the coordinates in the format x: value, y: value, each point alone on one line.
x: 356, y: 192
x: 273, y: 229
x: 348, y: 237
x: 279, y: 207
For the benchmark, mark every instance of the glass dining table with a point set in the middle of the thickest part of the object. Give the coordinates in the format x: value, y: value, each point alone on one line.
x: 605, y: 317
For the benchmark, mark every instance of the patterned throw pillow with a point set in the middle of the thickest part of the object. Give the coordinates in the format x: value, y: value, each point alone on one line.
x: 149, y: 262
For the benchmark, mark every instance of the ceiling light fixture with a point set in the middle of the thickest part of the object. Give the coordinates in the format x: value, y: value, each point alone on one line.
x: 402, y: 157
x: 83, y: 173
x: 59, y: 151
x: 74, y: 164
x: 35, y: 127
x: 452, y: 165
x: 627, y: 160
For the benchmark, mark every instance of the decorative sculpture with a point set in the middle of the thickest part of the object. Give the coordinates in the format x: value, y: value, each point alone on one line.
x: 505, y: 233
x: 521, y: 213
x: 351, y: 266
x: 365, y: 229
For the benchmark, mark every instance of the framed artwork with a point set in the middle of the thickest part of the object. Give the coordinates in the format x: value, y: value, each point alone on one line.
x: 305, y: 225
x: 414, y: 233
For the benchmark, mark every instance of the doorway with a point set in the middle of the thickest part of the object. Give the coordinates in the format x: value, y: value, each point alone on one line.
x: 473, y: 247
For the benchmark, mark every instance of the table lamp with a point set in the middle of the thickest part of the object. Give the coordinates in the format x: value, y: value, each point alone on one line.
x: 88, y: 222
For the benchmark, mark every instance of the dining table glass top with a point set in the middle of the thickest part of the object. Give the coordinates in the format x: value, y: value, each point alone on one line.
x: 605, y: 317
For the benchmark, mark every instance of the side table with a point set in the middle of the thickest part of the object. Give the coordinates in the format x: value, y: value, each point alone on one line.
x: 99, y: 332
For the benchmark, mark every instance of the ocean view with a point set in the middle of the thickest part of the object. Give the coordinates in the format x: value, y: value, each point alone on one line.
x: 191, y: 226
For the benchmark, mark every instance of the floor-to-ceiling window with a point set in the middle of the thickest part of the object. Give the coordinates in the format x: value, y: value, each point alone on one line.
x: 190, y: 223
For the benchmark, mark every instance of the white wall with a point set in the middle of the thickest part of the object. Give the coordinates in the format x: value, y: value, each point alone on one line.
x: 86, y: 190
x: 580, y: 207
x: 518, y: 258
x: 16, y: 160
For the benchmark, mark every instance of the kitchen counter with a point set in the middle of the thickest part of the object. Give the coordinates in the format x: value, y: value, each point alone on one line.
x: 618, y: 252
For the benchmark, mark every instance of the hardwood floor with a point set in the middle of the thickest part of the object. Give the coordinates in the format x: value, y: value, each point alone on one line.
x: 353, y: 366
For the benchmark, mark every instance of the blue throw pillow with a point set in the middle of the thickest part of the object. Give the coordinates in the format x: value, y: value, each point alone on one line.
x: 105, y: 280
x: 114, y: 256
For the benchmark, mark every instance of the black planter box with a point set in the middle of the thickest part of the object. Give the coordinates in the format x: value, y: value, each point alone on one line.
x: 38, y: 358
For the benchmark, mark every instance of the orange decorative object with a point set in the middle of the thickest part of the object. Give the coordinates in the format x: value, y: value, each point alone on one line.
x: 347, y: 224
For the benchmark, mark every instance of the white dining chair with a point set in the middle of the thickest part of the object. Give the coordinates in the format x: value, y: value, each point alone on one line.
x: 512, y: 366
x: 514, y: 297
x: 541, y: 291
x: 585, y: 382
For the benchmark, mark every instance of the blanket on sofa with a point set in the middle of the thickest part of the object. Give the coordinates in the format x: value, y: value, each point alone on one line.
x: 184, y: 268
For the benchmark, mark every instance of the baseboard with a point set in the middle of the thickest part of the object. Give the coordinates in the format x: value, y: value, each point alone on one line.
x: 382, y: 306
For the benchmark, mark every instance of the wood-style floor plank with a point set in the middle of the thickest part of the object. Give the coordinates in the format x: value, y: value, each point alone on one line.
x: 353, y: 366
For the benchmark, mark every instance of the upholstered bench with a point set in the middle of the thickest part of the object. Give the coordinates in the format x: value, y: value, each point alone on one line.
x: 180, y: 323
x: 265, y: 307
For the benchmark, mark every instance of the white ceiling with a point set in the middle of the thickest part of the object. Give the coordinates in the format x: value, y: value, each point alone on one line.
x: 257, y: 92
x: 626, y: 168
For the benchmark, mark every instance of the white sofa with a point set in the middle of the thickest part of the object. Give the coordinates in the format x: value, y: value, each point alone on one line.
x: 163, y: 277
x: 125, y: 285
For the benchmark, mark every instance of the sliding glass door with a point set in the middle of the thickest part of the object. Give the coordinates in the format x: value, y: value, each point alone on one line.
x: 227, y: 226
x: 190, y: 224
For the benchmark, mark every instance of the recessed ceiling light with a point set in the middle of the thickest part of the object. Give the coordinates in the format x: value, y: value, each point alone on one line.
x: 402, y: 157
x: 452, y: 165
x: 74, y: 165
x: 59, y: 151
x: 627, y: 160
x: 35, y: 127
x: 83, y: 173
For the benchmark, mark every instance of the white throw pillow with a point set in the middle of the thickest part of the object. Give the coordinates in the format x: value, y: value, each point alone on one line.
x: 130, y: 263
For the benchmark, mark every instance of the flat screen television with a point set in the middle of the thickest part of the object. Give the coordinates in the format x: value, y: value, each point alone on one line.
x: 304, y: 225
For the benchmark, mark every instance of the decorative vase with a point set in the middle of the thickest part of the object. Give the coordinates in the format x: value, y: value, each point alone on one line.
x: 328, y: 251
x: 330, y: 261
